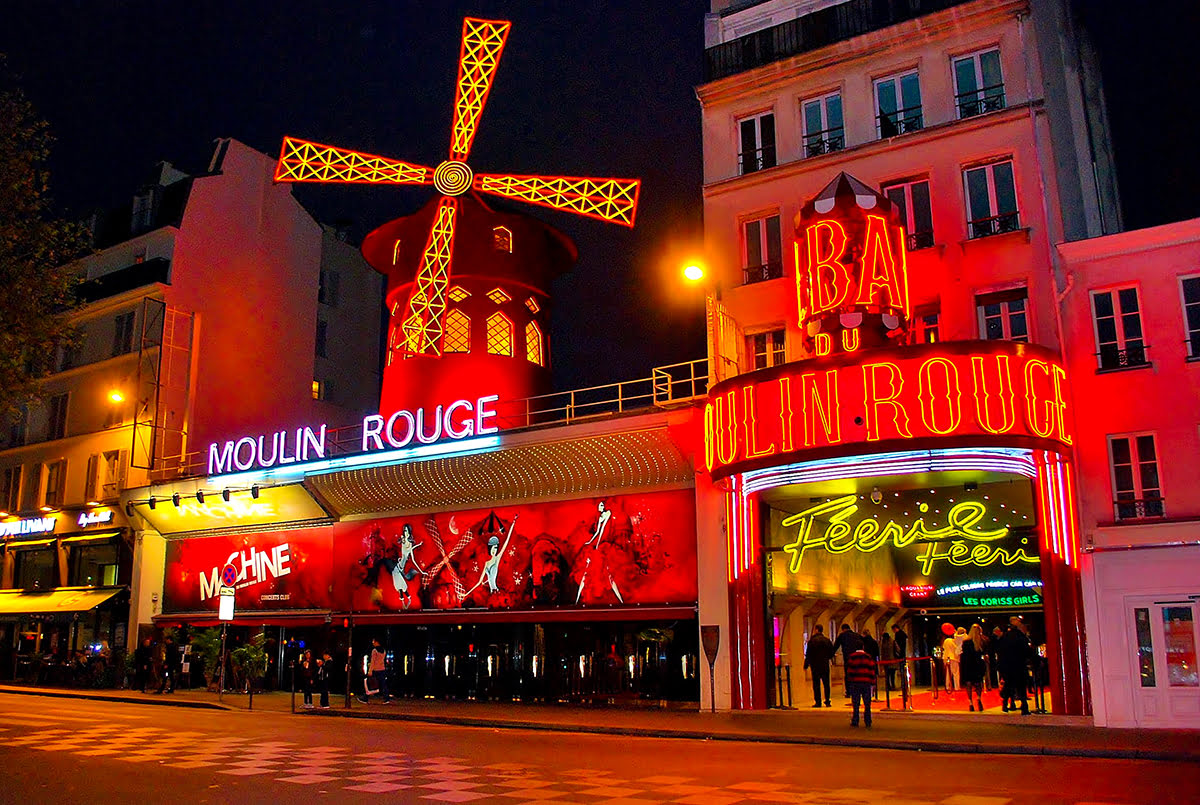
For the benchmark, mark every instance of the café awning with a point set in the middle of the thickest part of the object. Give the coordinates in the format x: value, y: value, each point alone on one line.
x: 24, y: 602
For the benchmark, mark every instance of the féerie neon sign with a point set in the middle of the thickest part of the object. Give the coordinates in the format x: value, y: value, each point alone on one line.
x: 960, y: 542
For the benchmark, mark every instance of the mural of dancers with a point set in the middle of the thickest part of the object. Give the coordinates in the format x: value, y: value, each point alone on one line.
x: 401, y: 574
x: 492, y: 565
x: 392, y: 562
x: 596, y: 560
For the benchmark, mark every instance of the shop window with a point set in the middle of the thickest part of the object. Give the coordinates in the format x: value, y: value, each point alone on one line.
x: 327, y: 288
x: 766, y: 349
x: 502, y: 239
x: 1003, y: 315
x: 499, y: 335
x: 762, y: 249
x: 533, y: 306
x: 10, y: 489
x: 498, y: 295
x: 978, y: 83
x: 533, y: 344
x: 898, y: 104
x: 1179, y: 646
x: 1189, y: 287
x: 1145, y: 646
x: 1136, y: 489
x: 824, y: 131
x: 322, y: 344
x: 757, y: 140
x: 93, y: 566
x: 123, y: 334
x: 916, y: 211
x: 458, y: 293
x: 458, y: 332
x: 1118, y: 328
x: 56, y: 483
x: 991, y: 199
x: 56, y: 418
x: 35, y: 569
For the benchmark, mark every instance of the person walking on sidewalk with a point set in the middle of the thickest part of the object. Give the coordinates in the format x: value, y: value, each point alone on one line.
x: 849, y: 642
x: 323, y: 666
x: 143, y: 660
x: 377, y: 670
x: 1013, y: 657
x: 871, y: 646
x: 171, y: 665
x: 950, y: 657
x: 861, y: 671
x: 308, y: 674
x: 971, y: 667
x: 817, y: 655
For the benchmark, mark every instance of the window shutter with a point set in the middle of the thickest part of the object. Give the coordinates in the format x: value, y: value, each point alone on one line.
x: 122, y: 469
x: 91, y: 483
x: 35, y: 488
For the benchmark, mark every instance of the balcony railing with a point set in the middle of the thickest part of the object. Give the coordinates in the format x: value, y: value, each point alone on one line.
x: 920, y: 240
x: 824, y: 142
x: 825, y: 27
x: 767, y: 271
x: 1132, y: 356
x: 981, y: 101
x: 1131, y: 509
x: 902, y: 121
x: 756, y: 160
x: 994, y: 225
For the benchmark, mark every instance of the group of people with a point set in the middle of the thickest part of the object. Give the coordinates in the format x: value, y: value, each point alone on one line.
x: 966, y: 657
x: 169, y: 664
x: 313, y: 674
x: 860, y: 657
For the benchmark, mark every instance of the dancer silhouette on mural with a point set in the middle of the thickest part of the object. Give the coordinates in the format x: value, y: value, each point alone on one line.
x: 401, y: 576
x: 492, y: 565
x: 601, y: 524
x: 596, y: 564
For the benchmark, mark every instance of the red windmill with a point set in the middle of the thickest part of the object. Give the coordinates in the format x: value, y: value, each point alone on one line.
x: 418, y: 300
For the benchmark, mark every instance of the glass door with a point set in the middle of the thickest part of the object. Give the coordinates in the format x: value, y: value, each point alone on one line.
x: 1166, y: 641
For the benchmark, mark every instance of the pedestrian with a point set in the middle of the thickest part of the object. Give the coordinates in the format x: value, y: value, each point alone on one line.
x: 144, y: 660
x: 887, y: 651
x: 1013, y: 660
x: 899, y: 642
x: 308, y: 675
x: 324, y: 665
x: 861, y: 671
x: 817, y: 655
x: 993, y: 659
x: 871, y: 646
x: 950, y: 661
x: 972, y: 666
x: 377, y: 673
x: 848, y: 642
x: 172, y: 662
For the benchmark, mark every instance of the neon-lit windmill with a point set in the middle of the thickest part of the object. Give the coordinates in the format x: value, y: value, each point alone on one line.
x: 420, y: 327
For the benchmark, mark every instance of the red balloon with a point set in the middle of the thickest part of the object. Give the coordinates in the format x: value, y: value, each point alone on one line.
x: 948, y: 629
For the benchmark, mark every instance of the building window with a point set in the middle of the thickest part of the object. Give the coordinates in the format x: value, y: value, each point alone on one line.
x: 458, y: 332
x: 1003, y: 315
x: 1136, y: 489
x: 766, y: 349
x: 322, y: 338
x: 35, y: 569
x: 757, y: 136
x: 927, y: 326
x: 533, y: 306
x: 499, y: 335
x: 56, y: 483
x: 322, y: 390
x: 56, y: 419
x: 898, y: 104
x: 499, y: 296
x: 762, y: 249
x: 991, y: 200
x: 823, y: 129
x: 93, y: 566
x: 327, y: 288
x: 67, y: 354
x: 978, y: 84
x: 112, y: 473
x: 502, y: 239
x: 1118, y: 320
x: 916, y: 212
x: 17, y: 428
x: 1190, y: 288
x: 123, y: 334
x: 10, y: 489
x: 533, y: 344
x: 458, y: 293
x: 316, y: 389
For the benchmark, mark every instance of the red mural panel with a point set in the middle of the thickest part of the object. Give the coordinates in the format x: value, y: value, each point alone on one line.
x: 629, y: 549
x: 276, y: 571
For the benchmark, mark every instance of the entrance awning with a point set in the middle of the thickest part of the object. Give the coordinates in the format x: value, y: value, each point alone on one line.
x: 54, y: 602
x: 304, y: 617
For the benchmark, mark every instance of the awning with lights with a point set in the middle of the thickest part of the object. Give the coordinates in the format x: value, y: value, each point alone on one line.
x: 306, y: 617
x: 54, y: 602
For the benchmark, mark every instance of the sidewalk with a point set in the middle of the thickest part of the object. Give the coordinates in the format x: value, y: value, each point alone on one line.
x: 1032, y: 735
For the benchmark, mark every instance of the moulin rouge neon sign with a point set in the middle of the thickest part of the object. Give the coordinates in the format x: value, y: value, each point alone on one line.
x: 458, y: 420
x: 960, y: 542
x: 996, y: 392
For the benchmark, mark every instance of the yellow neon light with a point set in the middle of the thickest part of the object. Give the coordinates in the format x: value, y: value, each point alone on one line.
x: 304, y: 161
x: 482, y: 43
x: 499, y: 334
x: 458, y: 332
x: 422, y: 327
x: 533, y: 344
x: 613, y: 200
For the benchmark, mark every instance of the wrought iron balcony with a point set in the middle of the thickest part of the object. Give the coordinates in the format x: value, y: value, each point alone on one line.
x: 821, y: 28
x: 756, y: 160
x: 995, y: 225
x: 1131, y: 509
x: 920, y: 240
x: 1131, y: 357
x: 767, y: 271
x: 824, y: 142
x: 980, y: 102
x: 902, y: 121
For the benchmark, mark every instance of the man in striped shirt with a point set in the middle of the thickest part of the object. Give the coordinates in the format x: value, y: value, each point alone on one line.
x: 861, y: 674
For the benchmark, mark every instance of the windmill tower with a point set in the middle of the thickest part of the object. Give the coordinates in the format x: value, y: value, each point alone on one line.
x: 468, y: 286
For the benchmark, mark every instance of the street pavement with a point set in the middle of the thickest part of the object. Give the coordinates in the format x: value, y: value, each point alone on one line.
x: 92, y: 750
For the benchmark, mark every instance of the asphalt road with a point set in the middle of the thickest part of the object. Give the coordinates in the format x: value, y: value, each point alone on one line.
x: 78, y: 751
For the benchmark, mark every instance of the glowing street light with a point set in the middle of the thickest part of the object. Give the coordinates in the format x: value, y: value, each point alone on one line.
x: 693, y: 272
x: 115, y: 396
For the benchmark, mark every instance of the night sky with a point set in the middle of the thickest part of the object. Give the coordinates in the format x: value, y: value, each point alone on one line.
x: 584, y: 88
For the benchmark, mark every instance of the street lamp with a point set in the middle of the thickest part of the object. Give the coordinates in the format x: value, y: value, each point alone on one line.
x: 115, y: 396
x: 693, y: 272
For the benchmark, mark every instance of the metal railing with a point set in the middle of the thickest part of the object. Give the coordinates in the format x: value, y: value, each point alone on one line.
x: 993, y: 225
x: 901, y: 121
x: 767, y: 271
x: 821, y: 28
x: 1131, y: 357
x: 824, y: 142
x: 980, y: 101
x: 756, y: 160
x: 1138, y: 509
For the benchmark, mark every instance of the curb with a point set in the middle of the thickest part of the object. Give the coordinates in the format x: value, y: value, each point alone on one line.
x: 911, y: 745
x: 115, y: 697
